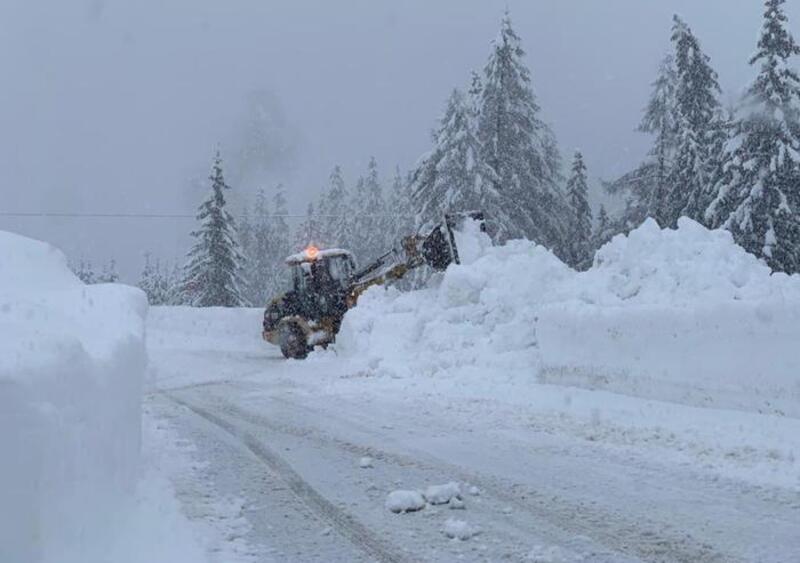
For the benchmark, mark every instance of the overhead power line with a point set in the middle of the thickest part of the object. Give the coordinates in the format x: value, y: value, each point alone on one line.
x: 174, y: 215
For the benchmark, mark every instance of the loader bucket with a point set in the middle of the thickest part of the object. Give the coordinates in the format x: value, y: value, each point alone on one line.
x: 439, y: 247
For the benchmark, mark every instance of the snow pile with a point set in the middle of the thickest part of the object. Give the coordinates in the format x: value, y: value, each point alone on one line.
x: 682, y: 315
x: 71, y: 364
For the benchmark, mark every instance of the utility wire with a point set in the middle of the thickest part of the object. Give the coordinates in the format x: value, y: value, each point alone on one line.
x: 176, y: 215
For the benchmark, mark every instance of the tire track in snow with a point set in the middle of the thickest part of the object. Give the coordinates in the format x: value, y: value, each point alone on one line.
x: 355, y: 532
x: 648, y: 541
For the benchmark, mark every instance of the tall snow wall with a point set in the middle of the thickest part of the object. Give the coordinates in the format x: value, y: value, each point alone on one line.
x: 72, y: 360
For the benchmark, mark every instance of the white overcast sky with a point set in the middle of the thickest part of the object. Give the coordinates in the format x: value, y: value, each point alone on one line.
x: 116, y: 105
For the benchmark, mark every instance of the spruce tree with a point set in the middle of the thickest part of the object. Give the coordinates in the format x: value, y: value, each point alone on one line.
x: 645, y: 189
x: 278, y: 245
x: 109, y: 273
x: 760, y: 196
x: 700, y: 130
x: 579, y: 236
x: 452, y: 178
x: 154, y: 282
x: 660, y: 120
x: 334, y: 210
x: 212, y: 274
x: 369, y: 233
x: 147, y: 280
x: 399, y: 208
x: 176, y: 295
x: 84, y: 272
x: 308, y: 231
x: 604, y: 230
x: 519, y: 149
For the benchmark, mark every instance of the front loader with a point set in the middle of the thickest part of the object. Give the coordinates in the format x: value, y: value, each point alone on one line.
x: 326, y: 283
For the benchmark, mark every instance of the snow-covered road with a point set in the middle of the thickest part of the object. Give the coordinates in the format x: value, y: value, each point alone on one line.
x: 275, y: 454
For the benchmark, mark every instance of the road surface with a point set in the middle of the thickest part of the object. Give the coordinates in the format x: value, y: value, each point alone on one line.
x: 289, y: 443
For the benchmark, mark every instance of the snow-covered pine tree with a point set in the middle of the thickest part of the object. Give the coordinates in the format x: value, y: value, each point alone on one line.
x: 519, y: 149
x: 660, y: 120
x: 161, y: 288
x: 212, y: 276
x: 259, y: 257
x: 173, y: 281
x: 369, y: 234
x: 147, y: 280
x: 245, y: 230
x: 579, y: 249
x: 399, y: 208
x: 645, y: 189
x: 308, y: 231
x: 334, y: 210
x: 84, y: 271
x: 604, y: 229
x: 700, y: 130
x: 109, y: 273
x: 279, y: 245
x: 451, y: 178
x: 759, y: 201
x: 154, y: 282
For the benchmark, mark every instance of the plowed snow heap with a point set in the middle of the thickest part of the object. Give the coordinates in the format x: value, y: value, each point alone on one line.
x: 683, y: 315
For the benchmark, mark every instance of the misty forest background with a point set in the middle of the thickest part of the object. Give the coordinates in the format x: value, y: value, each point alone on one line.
x: 734, y: 168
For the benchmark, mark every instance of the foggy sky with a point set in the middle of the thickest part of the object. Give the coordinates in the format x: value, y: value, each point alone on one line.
x: 118, y: 106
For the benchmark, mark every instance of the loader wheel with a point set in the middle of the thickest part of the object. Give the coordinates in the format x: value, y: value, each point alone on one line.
x: 293, y: 341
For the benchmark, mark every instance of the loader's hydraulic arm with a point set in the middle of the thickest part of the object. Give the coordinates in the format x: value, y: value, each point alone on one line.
x: 437, y: 249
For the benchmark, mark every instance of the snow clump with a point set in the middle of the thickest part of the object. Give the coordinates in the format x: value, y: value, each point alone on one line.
x: 404, y: 501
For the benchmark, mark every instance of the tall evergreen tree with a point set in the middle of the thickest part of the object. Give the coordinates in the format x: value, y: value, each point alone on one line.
x: 308, y: 231
x: 604, y: 230
x: 519, y: 149
x: 212, y: 275
x: 278, y: 245
x: 451, y: 178
x: 760, y: 196
x: 399, y: 209
x: 660, y: 120
x: 700, y: 127
x: 334, y: 210
x: 368, y: 237
x: 645, y: 189
x: 579, y: 237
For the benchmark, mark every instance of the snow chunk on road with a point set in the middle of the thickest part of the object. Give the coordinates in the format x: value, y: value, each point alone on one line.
x: 405, y: 501
x: 365, y: 463
x: 442, y: 494
x: 459, y: 529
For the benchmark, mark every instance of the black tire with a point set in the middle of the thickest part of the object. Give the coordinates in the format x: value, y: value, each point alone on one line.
x: 293, y: 342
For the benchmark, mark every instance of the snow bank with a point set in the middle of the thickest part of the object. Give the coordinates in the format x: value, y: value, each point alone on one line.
x: 71, y: 364
x: 682, y: 315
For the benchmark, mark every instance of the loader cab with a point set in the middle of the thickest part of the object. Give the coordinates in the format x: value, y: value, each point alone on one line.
x: 316, y: 271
